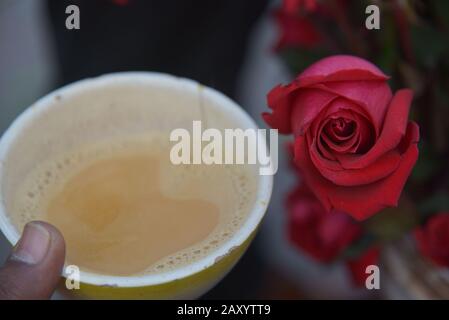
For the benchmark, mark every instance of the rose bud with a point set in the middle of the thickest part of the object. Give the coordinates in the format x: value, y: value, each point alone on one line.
x: 296, y: 31
x: 433, y: 239
x: 320, y: 234
x: 357, y: 267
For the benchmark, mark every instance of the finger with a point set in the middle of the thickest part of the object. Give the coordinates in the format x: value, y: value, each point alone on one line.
x: 33, y: 269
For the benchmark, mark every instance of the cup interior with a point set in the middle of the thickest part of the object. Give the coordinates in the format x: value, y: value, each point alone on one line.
x: 136, y: 102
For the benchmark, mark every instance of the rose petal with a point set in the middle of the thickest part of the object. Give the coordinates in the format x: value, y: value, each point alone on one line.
x: 363, y: 135
x: 372, y: 96
x: 328, y: 147
x: 322, y: 235
x: 338, y: 107
x: 340, y: 128
x: 307, y: 105
x: 338, y: 228
x: 358, y: 177
x: 334, y: 172
x: 279, y: 100
x: 325, y: 151
x: 296, y: 31
x: 433, y: 237
x: 324, y: 161
x: 393, y: 131
x: 357, y: 267
x: 349, y: 145
x: 360, y: 201
x: 331, y: 69
x: 340, y: 68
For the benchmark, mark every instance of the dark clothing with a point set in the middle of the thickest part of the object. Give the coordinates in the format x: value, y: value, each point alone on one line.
x: 200, y: 39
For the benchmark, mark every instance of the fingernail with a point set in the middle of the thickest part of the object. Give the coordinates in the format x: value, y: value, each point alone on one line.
x: 33, y: 245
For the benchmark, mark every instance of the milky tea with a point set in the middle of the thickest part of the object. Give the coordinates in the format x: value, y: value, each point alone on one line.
x: 125, y: 209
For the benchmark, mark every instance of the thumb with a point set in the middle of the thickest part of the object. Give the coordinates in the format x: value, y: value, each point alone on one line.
x: 33, y: 269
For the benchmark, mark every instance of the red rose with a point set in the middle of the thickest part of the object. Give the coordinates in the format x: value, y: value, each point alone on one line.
x: 433, y: 239
x: 296, y: 31
x: 321, y: 234
x: 353, y: 142
x: 357, y: 267
x: 322, y: 8
x: 293, y: 6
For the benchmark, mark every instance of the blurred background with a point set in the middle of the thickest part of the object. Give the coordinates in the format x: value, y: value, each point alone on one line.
x: 245, y: 48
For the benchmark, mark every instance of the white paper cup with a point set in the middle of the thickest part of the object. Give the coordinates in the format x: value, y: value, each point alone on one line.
x: 72, y: 115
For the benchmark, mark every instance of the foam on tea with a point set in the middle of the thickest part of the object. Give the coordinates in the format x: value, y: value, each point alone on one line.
x: 124, y: 209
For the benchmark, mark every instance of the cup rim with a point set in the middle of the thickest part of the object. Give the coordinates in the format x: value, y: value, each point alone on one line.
x: 224, y: 103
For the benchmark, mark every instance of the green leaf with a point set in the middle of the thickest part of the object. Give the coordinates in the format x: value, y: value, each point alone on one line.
x: 427, y: 166
x: 392, y: 223
x: 299, y: 59
x: 441, y: 10
x: 442, y: 95
x: 429, y: 45
x: 387, y: 57
x: 357, y: 248
x: 436, y: 203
